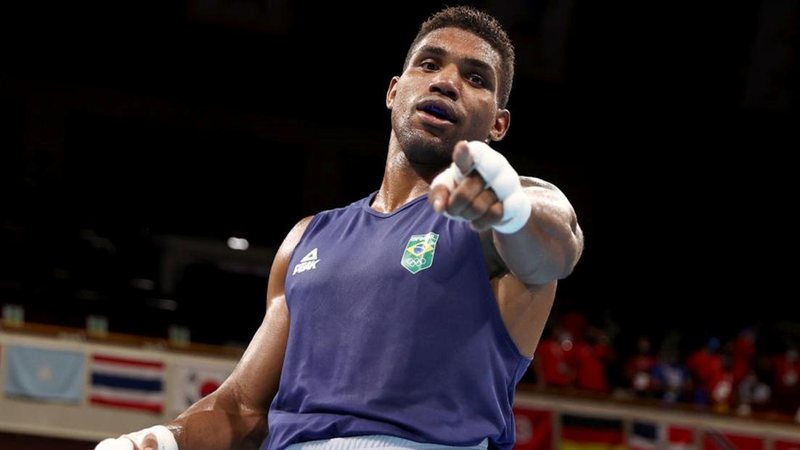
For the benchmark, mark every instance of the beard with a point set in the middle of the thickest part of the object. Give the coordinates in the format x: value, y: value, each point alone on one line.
x: 422, y: 148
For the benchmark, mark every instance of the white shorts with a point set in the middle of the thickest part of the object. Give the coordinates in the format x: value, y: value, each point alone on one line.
x: 377, y: 442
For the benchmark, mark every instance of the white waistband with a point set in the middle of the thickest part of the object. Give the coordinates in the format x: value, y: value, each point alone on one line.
x: 377, y: 441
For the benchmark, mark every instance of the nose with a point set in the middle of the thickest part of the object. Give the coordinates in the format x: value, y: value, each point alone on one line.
x: 446, y: 82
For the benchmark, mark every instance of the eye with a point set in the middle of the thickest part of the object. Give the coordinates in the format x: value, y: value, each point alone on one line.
x: 429, y: 65
x: 477, y: 80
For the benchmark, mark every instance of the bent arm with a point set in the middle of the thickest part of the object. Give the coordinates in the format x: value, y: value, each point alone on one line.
x: 549, y: 245
x: 235, y: 415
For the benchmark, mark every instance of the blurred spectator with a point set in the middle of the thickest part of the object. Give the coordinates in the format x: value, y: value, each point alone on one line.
x: 551, y: 361
x: 670, y: 378
x: 720, y: 384
x: 575, y: 323
x: 786, y: 369
x: 591, y: 357
x: 744, y: 351
x: 740, y: 377
x: 704, y: 365
x: 638, y: 369
x: 753, y: 394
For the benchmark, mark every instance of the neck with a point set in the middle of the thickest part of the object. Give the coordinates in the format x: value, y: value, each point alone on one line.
x: 402, y: 180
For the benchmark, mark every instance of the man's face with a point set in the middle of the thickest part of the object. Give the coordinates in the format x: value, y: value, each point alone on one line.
x: 447, y: 93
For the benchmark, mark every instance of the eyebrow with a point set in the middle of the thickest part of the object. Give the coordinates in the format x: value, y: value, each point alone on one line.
x: 439, y: 51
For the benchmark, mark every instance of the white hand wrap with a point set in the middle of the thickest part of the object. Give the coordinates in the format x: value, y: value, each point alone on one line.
x: 166, y: 441
x: 501, y: 177
x: 115, y: 444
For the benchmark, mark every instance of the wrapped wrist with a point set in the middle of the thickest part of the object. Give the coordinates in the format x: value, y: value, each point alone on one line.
x: 164, y: 437
x: 166, y: 441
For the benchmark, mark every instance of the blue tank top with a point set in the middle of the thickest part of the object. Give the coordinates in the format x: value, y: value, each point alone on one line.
x: 394, y: 329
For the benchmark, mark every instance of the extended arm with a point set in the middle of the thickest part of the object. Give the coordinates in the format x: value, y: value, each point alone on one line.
x: 533, y: 225
x: 549, y: 245
x: 530, y: 234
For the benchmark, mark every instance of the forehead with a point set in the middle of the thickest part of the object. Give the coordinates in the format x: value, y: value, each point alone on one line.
x: 460, y: 44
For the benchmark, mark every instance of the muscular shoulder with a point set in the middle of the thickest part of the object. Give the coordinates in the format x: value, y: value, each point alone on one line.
x: 299, y: 228
x: 294, y: 236
x: 284, y: 254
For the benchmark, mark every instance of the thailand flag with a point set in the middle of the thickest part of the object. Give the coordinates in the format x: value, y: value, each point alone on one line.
x: 125, y: 382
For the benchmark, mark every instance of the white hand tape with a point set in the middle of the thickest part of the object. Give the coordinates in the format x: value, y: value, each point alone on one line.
x: 516, y: 211
x: 447, y: 178
x: 495, y: 169
x: 488, y: 162
x: 501, y: 177
x: 504, y: 180
x: 115, y: 444
x: 166, y: 441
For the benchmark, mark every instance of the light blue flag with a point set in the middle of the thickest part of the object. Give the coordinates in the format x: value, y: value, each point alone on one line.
x: 44, y: 374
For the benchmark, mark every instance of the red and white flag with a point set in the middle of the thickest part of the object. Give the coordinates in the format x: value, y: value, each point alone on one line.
x: 680, y: 438
x: 191, y: 382
x: 534, y: 428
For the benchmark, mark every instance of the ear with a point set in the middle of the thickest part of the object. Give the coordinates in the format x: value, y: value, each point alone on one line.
x: 502, y: 121
x: 390, y: 94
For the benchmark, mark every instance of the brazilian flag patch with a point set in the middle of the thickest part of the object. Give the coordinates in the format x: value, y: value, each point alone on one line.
x: 419, y: 252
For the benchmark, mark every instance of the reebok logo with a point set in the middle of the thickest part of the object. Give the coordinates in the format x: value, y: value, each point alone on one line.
x: 309, y: 262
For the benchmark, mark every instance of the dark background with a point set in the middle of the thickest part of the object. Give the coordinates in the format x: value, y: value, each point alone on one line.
x: 131, y: 128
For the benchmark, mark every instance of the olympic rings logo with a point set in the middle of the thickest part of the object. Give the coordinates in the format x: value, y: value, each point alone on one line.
x: 414, y: 261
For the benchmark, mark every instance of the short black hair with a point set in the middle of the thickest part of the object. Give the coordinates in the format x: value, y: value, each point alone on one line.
x: 482, y: 25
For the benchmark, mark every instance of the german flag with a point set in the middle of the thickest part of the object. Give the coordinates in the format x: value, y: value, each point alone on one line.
x: 591, y: 433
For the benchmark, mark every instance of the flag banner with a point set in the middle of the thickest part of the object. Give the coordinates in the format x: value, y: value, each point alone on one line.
x: 189, y: 383
x: 125, y: 382
x: 680, y: 438
x: 644, y: 436
x: 534, y: 429
x: 591, y: 433
x: 44, y: 374
x: 716, y: 440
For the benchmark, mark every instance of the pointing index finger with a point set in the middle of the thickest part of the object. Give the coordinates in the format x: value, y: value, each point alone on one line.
x: 150, y: 442
x: 462, y: 157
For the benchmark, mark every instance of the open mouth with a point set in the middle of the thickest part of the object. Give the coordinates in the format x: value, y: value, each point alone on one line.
x: 439, y: 111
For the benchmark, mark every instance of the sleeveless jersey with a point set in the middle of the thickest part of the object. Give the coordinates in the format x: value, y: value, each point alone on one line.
x: 394, y: 330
